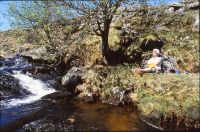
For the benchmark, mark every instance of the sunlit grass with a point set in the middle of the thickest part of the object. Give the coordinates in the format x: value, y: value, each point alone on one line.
x: 157, y: 95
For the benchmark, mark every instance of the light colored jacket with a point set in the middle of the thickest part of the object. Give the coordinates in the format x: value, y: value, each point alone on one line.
x: 155, y: 62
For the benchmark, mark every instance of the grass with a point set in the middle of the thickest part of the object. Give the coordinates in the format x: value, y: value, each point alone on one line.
x: 156, y: 95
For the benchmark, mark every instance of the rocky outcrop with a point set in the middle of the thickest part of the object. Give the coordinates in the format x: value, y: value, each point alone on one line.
x: 180, y: 8
x: 193, y: 6
x: 38, y: 55
x: 72, y: 78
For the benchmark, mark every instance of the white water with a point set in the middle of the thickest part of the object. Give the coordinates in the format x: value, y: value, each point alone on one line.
x: 37, y: 88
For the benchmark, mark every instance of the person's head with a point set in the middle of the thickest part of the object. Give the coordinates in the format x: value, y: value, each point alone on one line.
x: 155, y: 52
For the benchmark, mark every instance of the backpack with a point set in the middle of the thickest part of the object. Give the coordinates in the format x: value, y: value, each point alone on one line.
x: 169, y: 64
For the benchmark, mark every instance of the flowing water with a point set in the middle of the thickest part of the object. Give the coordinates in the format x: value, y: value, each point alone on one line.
x: 36, y: 87
x: 29, y: 112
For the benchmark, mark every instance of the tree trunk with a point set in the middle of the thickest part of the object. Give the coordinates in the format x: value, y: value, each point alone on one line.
x: 105, y: 48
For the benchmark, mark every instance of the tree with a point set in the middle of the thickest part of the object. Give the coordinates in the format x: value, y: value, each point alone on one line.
x: 98, y: 15
x: 44, y: 17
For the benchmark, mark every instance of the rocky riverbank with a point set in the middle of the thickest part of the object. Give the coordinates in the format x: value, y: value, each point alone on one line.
x: 162, y: 99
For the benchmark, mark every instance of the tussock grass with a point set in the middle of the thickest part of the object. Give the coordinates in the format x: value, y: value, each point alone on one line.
x: 157, y: 95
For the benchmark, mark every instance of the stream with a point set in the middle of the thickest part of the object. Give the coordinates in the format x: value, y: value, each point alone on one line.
x: 24, y: 109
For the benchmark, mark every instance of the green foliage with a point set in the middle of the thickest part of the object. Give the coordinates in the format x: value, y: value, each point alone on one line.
x: 118, y: 24
x: 41, y: 17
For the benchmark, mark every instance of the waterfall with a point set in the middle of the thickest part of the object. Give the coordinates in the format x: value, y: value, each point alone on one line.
x: 36, y: 87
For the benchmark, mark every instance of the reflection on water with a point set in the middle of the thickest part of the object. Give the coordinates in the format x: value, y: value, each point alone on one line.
x: 80, y: 116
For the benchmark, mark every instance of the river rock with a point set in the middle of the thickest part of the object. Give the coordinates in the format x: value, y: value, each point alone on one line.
x: 119, y: 96
x: 88, y: 97
x: 58, y: 95
x: 9, y: 86
x: 73, y: 78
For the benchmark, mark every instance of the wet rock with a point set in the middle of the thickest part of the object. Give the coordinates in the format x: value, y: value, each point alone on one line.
x: 58, y: 95
x: 73, y: 77
x: 51, y: 79
x: 119, y: 96
x: 88, y: 98
x: 9, y: 86
x: 14, y: 64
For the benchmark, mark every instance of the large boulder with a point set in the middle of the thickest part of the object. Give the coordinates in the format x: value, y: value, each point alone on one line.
x: 10, y: 87
x: 39, y: 54
x: 72, y: 78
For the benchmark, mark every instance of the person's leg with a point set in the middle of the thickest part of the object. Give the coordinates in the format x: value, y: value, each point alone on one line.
x: 135, y: 69
x: 140, y: 71
x: 146, y: 70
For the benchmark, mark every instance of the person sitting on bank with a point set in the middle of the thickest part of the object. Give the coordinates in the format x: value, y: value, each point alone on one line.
x: 153, y: 64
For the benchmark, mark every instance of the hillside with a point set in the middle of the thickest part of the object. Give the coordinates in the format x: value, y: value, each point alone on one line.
x: 132, y: 28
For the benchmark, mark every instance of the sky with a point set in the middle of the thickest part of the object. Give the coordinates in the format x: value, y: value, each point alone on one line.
x: 5, y: 25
